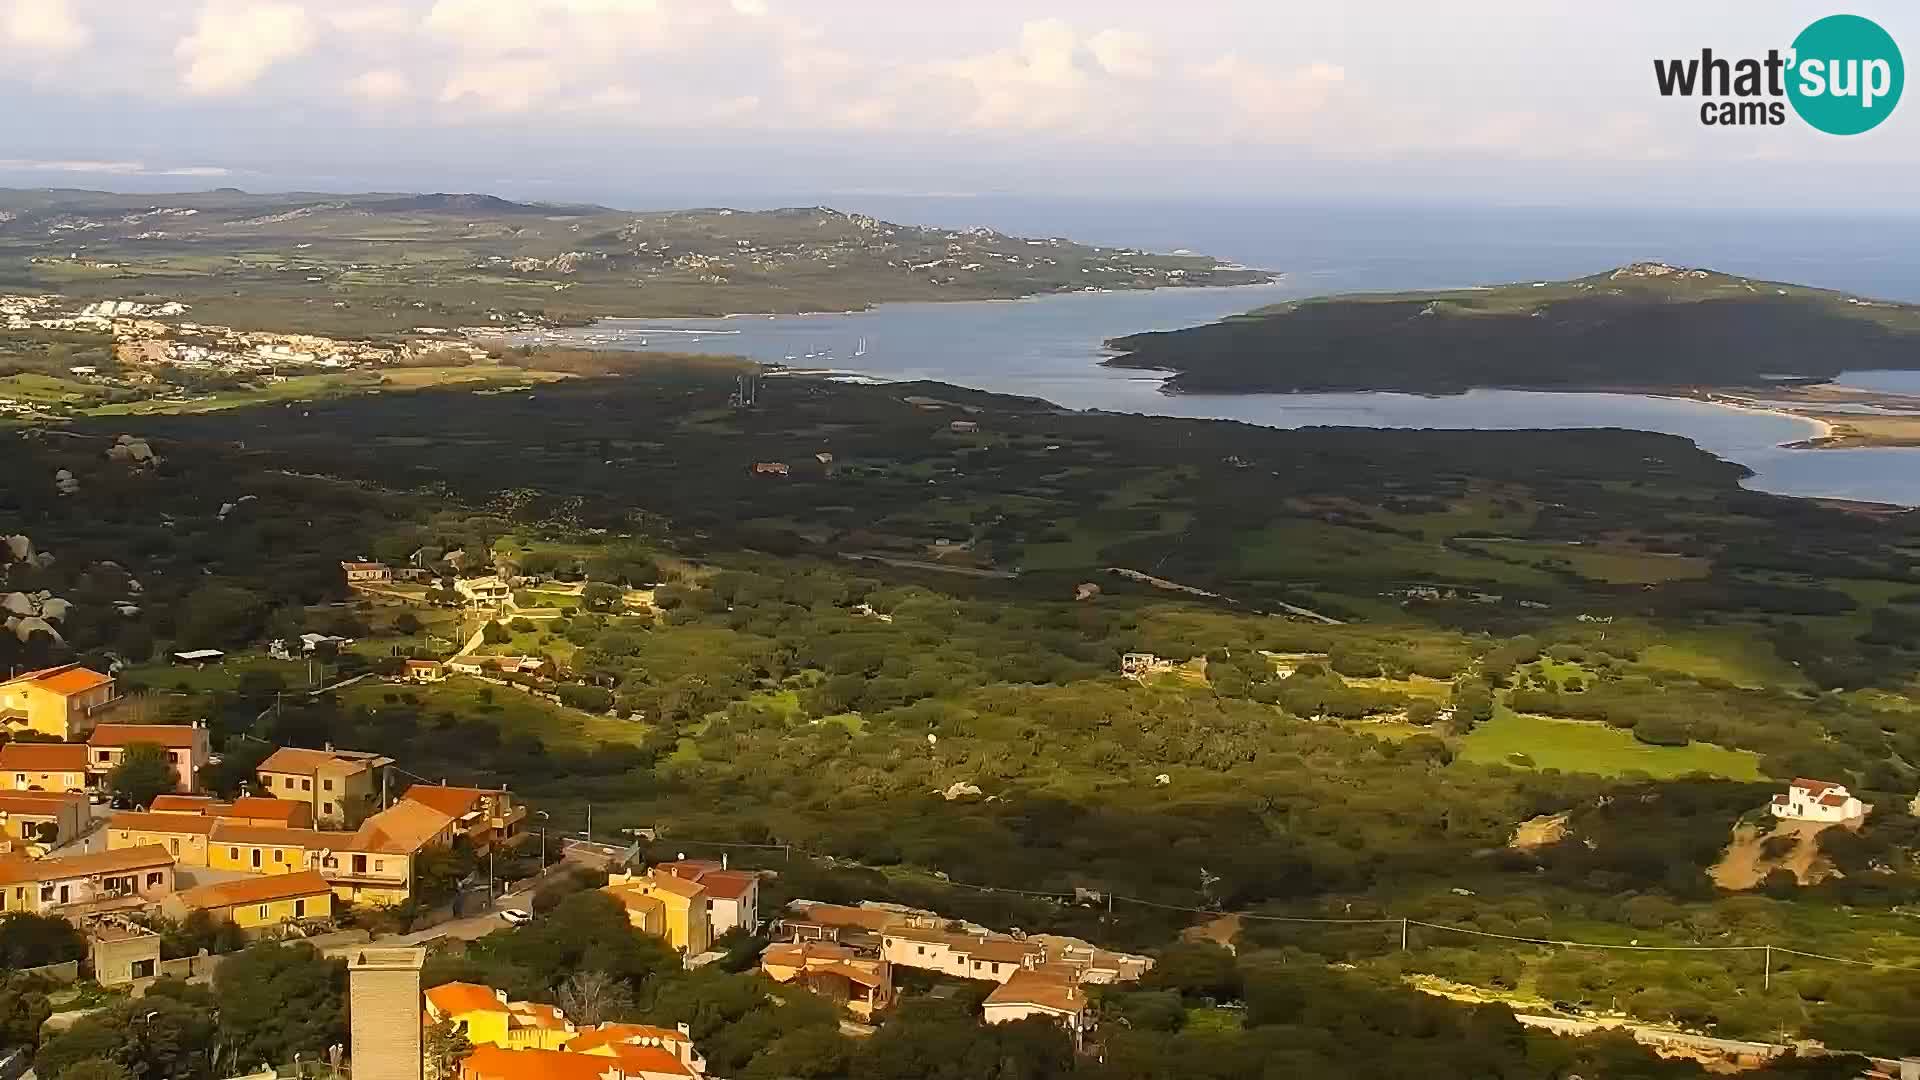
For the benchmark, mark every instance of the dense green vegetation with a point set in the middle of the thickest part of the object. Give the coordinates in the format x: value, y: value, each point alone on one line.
x: 1644, y: 325
x: 375, y: 264
x: 789, y: 686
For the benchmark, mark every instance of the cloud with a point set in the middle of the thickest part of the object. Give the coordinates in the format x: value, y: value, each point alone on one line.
x: 751, y: 8
x: 506, y: 85
x: 380, y: 86
x: 237, y: 41
x: 370, y: 19
x: 1036, y: 84
x: 108, y: 168
x: 1125, y: 53
x: 1269, y: 101
x: 47, y: 26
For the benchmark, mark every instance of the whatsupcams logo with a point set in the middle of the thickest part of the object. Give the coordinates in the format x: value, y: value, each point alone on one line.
x: 1843, y: 76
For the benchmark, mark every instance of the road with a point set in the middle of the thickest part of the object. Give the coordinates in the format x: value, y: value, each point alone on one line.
x: 469, y: 928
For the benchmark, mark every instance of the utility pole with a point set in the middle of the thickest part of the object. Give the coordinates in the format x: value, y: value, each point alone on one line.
x: 1403, y: 933
x: 589, y: 821
x: 1766, y: 979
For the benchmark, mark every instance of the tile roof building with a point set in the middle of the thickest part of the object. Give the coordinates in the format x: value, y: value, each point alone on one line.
x: 340, y: 787
x: 30, y: 766
x: 63, y: 702
x: 188, y: 747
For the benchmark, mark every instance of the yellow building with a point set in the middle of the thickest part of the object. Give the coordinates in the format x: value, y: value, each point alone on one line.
x: 374, y: 863
x: 489, y: 1019
x: 682, y: 907
x: 264, y: 849
x: 340, y: 786
x: 42, y: 817
x: 28, y: 766
x: 185, y: 837
x: 59, y: 701
x: 254, y: 903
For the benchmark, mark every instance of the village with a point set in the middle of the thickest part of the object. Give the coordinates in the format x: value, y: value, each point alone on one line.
x: 152, y: 347
x: 324, y: 840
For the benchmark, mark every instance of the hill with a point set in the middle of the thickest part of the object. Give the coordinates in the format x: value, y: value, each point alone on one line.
x: 1648, y: 325
x: 386, y: 262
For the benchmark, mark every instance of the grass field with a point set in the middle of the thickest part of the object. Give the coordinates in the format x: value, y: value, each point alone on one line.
x: 513, y: 712
x: 1578, y: 746
x: 1743, y: 659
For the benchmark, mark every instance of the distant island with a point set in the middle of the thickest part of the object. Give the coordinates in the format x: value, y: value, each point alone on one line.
x: 385, y: 263
x: 1647, y: 326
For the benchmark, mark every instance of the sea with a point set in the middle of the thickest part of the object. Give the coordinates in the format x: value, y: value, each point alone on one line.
x: 1051, y: 347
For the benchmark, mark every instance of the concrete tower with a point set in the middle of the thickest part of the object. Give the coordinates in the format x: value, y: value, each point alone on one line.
x: 383, y: 1010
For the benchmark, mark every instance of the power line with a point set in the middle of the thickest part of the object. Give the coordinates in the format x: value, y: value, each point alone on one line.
x: 1591, y: 944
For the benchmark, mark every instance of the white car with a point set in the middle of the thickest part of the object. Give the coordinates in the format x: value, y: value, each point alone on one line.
x: 516, y: 917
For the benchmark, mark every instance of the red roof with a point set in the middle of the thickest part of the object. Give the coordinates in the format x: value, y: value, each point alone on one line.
x: 171, y: 736
x: 43, y: 757
x: 1831, y: 799
x: 451, y: 801
x: 1814, y: 788
x: 65, y: 680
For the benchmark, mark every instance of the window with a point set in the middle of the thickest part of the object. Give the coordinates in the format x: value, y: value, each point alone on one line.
x: 154, y: 879
x: 263, y: 911
x: 300, y: 908
x: 379, y: 866
x: 359, y: 864
x: 174, y: 845
x: 103, y: 756
x: 233, y: 853
x: 326, y: 808
x: 996, y: 969
x: 920, y: 950
x: 306, y: 784
x: 279, y: 855
x: 327, y: 784
x: 289, y: 783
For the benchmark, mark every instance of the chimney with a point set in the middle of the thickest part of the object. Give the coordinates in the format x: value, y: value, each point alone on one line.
x: 383, y: 1012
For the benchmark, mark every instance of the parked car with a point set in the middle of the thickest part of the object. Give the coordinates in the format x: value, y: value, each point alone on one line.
x: 516, y: 917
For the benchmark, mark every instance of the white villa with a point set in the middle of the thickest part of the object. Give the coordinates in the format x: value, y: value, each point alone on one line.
x: 1818, y: 800
x: 483, y: 591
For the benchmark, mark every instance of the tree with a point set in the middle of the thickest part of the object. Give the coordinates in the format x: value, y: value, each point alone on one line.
x: 445, y: 1045
x: 23, y: 1009
x: 594, y: 997
x: 278, y: 1000
x: 29, y: 940
x: 598, y: 596
x: 406, y: 623
x: 220, y: 616
x: 155, y: 1036
x: 143, y: 772
x: 495, y: 634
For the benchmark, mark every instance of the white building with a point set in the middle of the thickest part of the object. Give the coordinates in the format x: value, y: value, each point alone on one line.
x: 1034, y: 993
x: 483, y: 591
x: 1817, y: 800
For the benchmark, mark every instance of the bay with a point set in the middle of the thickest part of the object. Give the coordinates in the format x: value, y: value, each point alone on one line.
x: 1051, y: 347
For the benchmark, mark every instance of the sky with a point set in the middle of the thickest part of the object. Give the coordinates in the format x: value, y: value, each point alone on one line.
x: 648, y: 103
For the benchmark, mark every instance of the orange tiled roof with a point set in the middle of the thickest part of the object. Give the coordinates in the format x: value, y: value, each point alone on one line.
x: 592, y: 1038
x: 31, y: 803
x: 171, y: 736
x: 163, y: 823
x: 301, y: 761
x: 1043, y: 991
x: 286, y: 811
x: 100, y: 862
x: 460, y: 998
x: 451, y: 801
x: 400, y: 829
x: 182, y: 804
x: 229, y: 832
x: 681, y: 887
x: 490, y: 1062
x: 43, y: 757
x: 69, y: 680
x: 727, y: 884
x: 532, y: 1014
x: 256, y: 890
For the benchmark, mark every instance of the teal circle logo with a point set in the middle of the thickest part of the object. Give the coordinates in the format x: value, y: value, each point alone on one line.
x: 1846, y: 75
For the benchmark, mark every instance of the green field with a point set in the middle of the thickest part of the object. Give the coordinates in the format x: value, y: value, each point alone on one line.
x: 1580, y: 746
x: 515, y: 713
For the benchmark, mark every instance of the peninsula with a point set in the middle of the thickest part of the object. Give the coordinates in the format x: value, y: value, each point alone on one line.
x: 386, y: 264
x: 1648, y: 326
